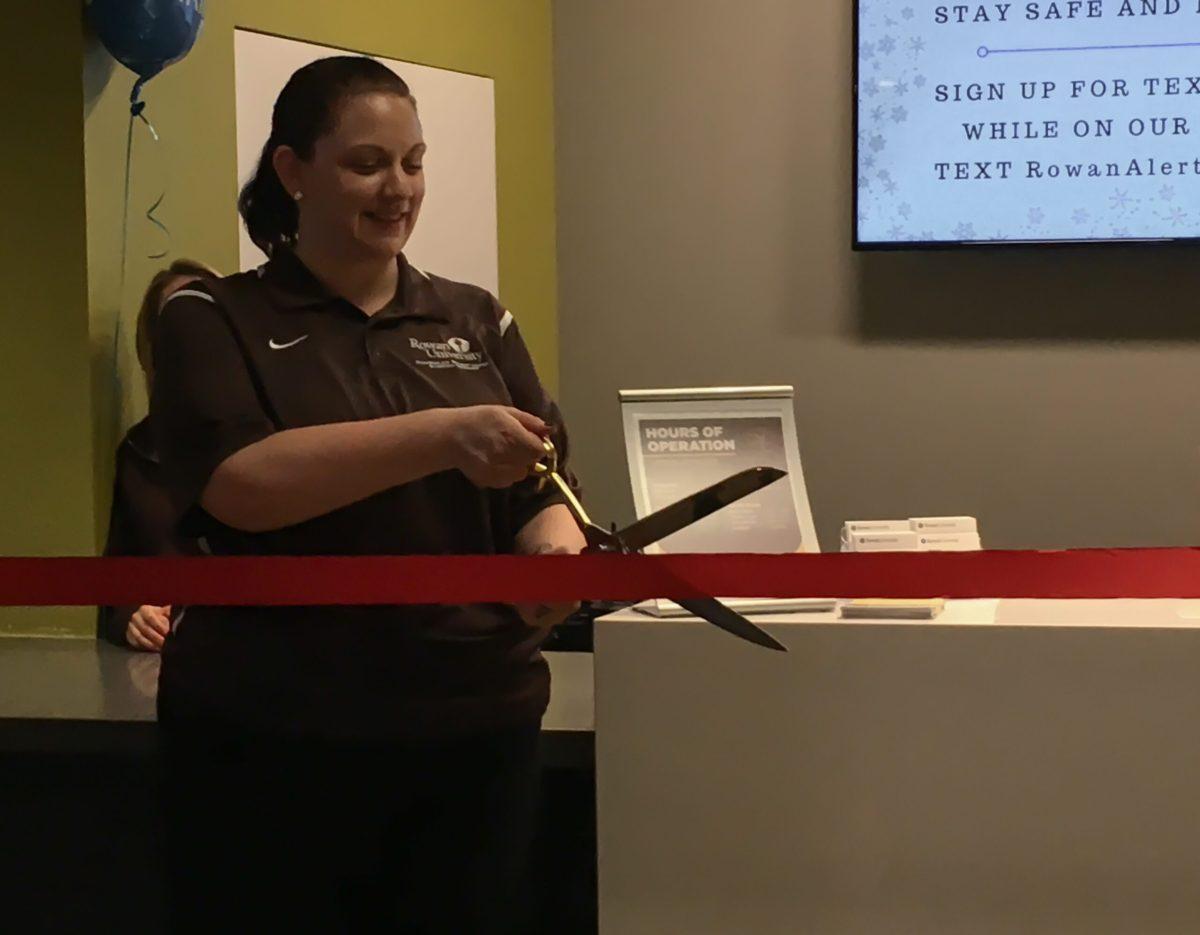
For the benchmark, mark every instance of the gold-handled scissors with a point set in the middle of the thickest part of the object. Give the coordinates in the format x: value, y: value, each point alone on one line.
x: 547, y: 470
x: 664, y: 522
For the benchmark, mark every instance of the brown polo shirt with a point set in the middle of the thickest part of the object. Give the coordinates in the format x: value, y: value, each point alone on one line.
x: 270, y: 350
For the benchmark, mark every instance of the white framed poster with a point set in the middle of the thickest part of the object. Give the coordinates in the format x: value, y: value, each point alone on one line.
x: 679, y: 441
x: 456, y: 235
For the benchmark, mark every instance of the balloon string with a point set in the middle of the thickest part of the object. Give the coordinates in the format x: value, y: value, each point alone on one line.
x: 135, y: 113
x: 161, y: 196
x: 116, y: 338
x: 160, y: 225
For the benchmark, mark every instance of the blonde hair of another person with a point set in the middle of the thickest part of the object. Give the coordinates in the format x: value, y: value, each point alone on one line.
x: 164, y: 284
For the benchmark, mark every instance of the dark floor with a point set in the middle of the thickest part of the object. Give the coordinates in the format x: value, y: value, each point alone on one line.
x: 80, y: 847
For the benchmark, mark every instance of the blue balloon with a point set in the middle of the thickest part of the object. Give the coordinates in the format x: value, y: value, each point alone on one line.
x: 146, y: 35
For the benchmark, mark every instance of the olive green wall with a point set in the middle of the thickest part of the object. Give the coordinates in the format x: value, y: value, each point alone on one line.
x: 45, y: 422
x: 60, y: 479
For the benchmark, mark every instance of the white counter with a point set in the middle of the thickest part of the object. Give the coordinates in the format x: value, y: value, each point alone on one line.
x: 1038, y: 773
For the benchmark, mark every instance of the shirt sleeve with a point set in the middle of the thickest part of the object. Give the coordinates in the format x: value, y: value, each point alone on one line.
x: 204, y: 405
x: 528, y: 394
x: 141, y: 523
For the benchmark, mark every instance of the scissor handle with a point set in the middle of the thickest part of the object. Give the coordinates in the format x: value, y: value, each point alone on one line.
x: 546, y: 470
x: 548, y: 464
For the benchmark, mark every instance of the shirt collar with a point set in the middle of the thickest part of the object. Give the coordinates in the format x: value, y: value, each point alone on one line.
x: 292, y: 285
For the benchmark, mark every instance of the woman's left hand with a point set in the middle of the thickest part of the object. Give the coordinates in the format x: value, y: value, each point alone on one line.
x: 546, y: 616
x: 552, y: 532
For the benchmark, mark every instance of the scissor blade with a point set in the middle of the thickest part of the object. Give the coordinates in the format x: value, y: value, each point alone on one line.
x: 670, y: 519
x: 716, y: 613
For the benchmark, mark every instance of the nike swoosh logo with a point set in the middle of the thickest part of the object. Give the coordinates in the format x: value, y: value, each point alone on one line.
x: 276, y: 346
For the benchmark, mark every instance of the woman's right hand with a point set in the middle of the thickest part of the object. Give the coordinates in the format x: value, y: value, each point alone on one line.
x: 495, y: 446
x: 148, y: 627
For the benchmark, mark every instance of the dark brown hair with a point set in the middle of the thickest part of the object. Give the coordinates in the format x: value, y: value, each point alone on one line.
x: 305, y: 110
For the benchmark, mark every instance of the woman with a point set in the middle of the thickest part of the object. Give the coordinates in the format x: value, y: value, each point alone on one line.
x: 351, y: 769
x: 142, y: 520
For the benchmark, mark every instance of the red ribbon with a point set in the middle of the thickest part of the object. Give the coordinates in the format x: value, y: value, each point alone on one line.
x: 464, y: 579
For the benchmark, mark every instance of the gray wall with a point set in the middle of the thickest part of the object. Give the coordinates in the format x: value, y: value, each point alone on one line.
x: 704, y: 173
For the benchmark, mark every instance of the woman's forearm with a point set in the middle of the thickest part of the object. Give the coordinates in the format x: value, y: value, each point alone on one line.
x: 302, y: 473
x: 552, y: 531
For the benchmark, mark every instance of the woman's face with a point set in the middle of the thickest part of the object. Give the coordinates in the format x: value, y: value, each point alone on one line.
x: 363, y: 187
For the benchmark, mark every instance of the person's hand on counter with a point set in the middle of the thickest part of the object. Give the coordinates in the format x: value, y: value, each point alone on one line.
x: 148, y: 627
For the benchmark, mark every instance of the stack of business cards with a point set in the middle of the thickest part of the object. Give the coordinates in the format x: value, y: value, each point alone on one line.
x: 918, y: 534
x: 946, y: 533
x: 884, y: 609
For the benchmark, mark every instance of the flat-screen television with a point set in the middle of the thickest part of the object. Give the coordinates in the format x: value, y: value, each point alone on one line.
x: 1052, y: 121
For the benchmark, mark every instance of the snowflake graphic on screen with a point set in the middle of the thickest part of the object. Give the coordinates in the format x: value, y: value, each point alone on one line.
x: 965, y: 231
x: 1118, y: 199
x: 1036, y: 216
x: 1080, y: 216
x: 1166, y: 193
x: 894, y: 89
x: 1177, y: 217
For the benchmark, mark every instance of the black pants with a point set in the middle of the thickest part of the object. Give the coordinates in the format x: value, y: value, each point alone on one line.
x: 265, y: 834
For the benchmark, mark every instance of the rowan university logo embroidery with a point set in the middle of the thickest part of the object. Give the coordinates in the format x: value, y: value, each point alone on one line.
x: 451, y: 354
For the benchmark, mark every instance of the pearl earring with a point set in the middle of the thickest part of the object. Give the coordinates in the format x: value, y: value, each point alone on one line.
x: 298, y: 195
